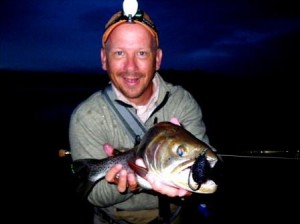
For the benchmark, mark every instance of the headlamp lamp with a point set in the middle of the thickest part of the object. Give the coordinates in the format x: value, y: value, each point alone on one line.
x: 129, y: 14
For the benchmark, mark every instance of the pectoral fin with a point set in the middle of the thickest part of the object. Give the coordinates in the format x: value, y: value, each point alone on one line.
x: 139, y: 170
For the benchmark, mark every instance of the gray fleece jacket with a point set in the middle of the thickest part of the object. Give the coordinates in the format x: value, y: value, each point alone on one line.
x: 93, y: 124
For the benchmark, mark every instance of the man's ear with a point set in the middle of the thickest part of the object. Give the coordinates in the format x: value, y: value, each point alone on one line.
x: 158, y: 58
x: 103, y: 59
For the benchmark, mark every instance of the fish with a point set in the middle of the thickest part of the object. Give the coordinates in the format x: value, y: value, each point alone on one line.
x: 168, y: 150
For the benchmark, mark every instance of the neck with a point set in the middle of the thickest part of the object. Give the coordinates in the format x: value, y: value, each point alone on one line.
x: 144, y: 98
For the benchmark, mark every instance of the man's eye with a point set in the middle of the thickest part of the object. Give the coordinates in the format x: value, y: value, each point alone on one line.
x: 119, y: 53
x: 142, y: 53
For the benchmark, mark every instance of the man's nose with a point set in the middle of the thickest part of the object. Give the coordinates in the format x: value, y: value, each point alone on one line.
x: 131, y: 63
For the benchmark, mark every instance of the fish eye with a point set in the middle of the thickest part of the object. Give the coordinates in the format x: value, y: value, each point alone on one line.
x: 180, y: 150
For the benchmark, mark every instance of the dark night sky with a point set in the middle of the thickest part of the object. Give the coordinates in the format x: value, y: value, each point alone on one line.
x: 230, y: 37
x: 246, y: 52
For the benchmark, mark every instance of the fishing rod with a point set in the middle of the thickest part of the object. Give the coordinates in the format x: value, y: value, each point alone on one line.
x: 253, y: 154
x: 266, y: 154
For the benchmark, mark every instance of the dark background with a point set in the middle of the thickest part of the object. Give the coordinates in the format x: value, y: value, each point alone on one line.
x: 240, y: 60
x: 242, y: 115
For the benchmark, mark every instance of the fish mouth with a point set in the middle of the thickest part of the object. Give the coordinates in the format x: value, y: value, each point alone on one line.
x: 195, y: 175
x: 199, y: 172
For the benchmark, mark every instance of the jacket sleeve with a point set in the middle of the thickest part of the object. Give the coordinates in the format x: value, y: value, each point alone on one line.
x: 88, y: 131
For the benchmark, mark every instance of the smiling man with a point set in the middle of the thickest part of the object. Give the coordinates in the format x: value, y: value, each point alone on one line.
x: 131, y: 56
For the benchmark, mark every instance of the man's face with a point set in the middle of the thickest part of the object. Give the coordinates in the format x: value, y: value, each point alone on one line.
x: 131, y: 57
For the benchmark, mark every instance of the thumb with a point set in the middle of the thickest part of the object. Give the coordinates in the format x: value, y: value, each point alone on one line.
x: 140, y: 162
x: 174, y: 120
x: 108, y: 149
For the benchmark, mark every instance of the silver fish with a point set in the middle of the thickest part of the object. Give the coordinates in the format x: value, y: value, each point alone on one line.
x: 169, y: 151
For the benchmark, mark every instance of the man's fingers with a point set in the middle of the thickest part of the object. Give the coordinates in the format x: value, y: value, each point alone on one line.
x: 122, y: 178
x: 122, y: 184
x: 165, y: 189
x: 132, y: 182
x: 140, y: 162
x: 182, y: 192
x: 112, y: 173
x: 174, y: 120
x: 108, y: 149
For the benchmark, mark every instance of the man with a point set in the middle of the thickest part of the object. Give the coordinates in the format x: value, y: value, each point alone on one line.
x: 131, y: 57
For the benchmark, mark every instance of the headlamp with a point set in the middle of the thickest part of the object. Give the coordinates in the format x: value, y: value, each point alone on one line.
x: 129, y: 14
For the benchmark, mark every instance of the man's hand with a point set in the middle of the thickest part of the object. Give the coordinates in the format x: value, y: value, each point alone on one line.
x: 122, y: 178
x: 158, y: 186
x: 118, y: 175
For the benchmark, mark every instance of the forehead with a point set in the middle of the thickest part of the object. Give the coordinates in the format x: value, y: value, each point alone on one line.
x: 130, y: 32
